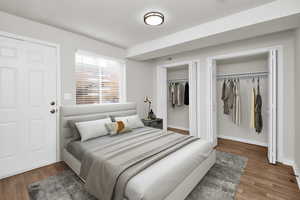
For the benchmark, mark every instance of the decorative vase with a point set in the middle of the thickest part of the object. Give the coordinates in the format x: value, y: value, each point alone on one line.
x: 151, y: 115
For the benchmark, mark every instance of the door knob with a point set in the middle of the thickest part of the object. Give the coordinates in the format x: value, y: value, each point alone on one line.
x: 52, y: 111
x: 52, y: 103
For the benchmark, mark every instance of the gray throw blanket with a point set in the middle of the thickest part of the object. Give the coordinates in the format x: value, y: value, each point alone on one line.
x: 108, y: 169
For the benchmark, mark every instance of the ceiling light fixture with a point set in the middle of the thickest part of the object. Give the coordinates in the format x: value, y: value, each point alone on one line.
x: 154, y: 18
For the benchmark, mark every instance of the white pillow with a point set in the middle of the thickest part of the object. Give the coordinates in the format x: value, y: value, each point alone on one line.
x: 133, y: 121
x: 92, y: 129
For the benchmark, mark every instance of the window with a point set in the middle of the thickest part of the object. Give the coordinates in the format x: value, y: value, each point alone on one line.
x: 98, y: 79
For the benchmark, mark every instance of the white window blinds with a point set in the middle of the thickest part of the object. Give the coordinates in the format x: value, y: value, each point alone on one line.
x: 98, y: 80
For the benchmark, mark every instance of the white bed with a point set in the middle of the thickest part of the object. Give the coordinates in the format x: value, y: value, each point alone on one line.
x: 157, y: 181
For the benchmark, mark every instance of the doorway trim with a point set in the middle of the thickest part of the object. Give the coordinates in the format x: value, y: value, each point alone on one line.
x: 162, y: 93
x: 211, y: 61
x: 58, y: 79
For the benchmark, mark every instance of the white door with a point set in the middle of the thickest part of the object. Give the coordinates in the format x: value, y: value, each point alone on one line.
x: 272, y: 124
x: 162, y: 95
x: 27, y: 88
x: 193, y: 99
x: 212, y: 129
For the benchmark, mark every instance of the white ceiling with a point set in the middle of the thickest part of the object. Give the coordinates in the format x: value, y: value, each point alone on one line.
x: 120, y: 22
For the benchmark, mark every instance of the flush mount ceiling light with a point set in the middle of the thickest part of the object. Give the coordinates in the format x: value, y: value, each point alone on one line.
x: 154, y: 18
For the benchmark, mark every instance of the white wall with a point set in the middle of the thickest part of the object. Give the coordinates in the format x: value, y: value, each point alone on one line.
x: 297, y: 100
x: 287, y: 40
x: 225, y: 126
x: 139, y: 77
x: 178, y: 117
x: 69, y: 43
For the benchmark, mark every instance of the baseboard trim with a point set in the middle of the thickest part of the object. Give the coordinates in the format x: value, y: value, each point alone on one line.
x: 287, y: 162
x: 243, y: 140
x: 178, y: 127
x: 297, y: 172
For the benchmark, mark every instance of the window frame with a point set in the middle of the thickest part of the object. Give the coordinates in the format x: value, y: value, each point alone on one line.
x: 122, y: 80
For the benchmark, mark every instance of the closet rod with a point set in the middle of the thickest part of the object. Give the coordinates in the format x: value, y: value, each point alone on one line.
x: 243, y: 75
x: 178, y: 80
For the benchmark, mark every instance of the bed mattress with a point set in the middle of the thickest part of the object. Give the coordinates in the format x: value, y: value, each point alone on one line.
x: 161, y: 178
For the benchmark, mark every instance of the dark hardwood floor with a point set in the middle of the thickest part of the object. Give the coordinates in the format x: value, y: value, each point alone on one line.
x: 260, y: 180
x: 15, y: 187
x: 179, y: 131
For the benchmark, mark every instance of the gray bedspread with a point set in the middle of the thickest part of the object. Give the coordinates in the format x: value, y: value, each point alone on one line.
x: 79, y: 149
x: 108, y: 168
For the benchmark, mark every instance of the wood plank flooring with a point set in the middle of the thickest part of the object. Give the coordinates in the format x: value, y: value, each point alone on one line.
x: 15, y: 187
x: 260, y: 180
x: 184, y: 132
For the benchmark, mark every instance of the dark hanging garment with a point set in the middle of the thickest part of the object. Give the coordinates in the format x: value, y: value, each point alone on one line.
x: 258, y: 110
x: 186, y: 94
x: 225, y: 93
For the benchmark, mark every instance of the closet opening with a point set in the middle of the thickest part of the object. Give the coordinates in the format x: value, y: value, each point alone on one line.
x: 243, y: 99
x: 177, y: 96
x: 243, y: 93
x: 178, y: 99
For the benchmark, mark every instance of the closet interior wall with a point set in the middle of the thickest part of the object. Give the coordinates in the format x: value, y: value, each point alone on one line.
x: 225, y: 126
x: 178, y: 116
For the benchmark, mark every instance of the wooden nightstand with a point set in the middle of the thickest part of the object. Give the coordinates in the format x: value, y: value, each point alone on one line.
x: 155, y: 123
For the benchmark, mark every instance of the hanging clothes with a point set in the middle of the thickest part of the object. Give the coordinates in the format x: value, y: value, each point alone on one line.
x: 179, y: 94
x: 233, y: 109
x: 230, y: 94
x: 186, y: 94
x: 258, y: 110
x: 237, y: 103
x: 223, y: 90
x: 225, y: 96
x: 172, y: 89
x: 175, y: 94
x: 252, y: 108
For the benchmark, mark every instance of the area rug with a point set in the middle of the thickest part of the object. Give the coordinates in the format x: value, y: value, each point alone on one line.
x: 220, y: 183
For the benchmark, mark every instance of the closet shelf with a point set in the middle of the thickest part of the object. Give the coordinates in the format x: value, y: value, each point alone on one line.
x: 242, y: 75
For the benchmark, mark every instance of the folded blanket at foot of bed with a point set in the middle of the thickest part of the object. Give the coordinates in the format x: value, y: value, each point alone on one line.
x: 108, y: 168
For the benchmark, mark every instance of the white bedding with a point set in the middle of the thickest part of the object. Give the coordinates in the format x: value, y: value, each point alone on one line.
x: 161, y: 178
x: 145, y: 185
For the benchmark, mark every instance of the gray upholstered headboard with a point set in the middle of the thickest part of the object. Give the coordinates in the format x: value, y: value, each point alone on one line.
x: 86, y: 111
